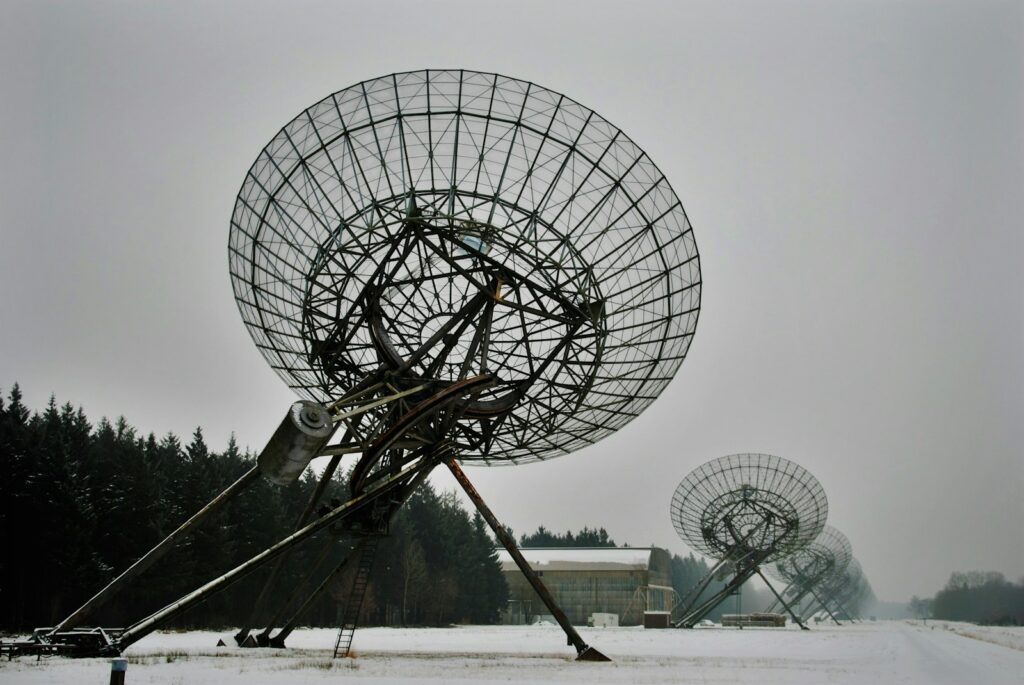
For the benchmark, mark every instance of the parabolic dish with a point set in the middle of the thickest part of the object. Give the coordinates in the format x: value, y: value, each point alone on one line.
x: 385, y: 208
x: 772, y: 505
x: 827, y: 554
x: 846, y: 580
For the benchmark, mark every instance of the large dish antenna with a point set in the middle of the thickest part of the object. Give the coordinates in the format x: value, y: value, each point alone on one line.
x: 445, y: 266
x: 828, y: 554
x: 442, y: 224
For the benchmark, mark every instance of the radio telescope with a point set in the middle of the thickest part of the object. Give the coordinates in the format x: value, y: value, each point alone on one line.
x: 446, y: 266
x: 436, y: 225
x: 805, y: 569
x: 744, y: 510
x: 841, y: 593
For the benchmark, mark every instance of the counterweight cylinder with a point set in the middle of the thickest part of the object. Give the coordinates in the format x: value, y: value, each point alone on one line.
x: 300, y: 437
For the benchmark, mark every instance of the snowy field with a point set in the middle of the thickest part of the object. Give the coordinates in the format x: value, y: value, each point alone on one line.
x: 875, y: 653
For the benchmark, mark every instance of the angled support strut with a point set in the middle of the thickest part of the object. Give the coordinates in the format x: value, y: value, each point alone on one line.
x: 584, y: 652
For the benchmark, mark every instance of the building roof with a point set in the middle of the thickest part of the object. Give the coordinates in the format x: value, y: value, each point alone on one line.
x: 580, y: 558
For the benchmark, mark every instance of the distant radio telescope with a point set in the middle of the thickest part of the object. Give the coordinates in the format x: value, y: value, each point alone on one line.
x: 744, y: 510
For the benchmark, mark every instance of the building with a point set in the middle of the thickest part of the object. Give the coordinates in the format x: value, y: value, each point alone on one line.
x: 626, y: 581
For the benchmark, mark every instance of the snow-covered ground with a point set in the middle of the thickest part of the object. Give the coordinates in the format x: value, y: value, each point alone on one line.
x: 876, y: 653
x: 1008, y: 637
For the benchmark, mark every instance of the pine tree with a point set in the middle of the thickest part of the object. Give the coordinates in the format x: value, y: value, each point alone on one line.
x: 16, y: 525
x: 491, y: 589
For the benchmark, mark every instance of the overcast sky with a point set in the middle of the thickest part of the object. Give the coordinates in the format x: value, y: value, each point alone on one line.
x: 853, y: 172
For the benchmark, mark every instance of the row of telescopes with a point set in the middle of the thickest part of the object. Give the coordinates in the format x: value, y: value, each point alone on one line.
x: 455, y: 267
x: 761, y: 515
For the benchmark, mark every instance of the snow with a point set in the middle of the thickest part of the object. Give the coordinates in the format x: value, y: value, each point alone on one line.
x: 576, y: 558
x: 883, y: 652
x: 1012, y: 637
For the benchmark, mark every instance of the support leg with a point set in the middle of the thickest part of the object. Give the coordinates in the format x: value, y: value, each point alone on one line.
x: 261, y: 599
x: 289, y: 625
x: 584, y: 652
x: 264, y: 594
x: 705, y: 608
x: 263, y: 638
x: 790, y: 590
x: 849, y: 615
x: 699, y: 588
x: 782, y: 601
x: 411, y: 475
x: 825, y: 607
x: 154, y: 555
x: 796, y: 600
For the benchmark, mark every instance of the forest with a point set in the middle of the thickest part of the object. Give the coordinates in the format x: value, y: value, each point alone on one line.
x: 977, y: 597
x: 587, y: 537
x: 80, y: 502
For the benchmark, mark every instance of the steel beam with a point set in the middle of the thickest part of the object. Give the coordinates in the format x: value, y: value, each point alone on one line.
x: 154, y: 555
x: 584, y: 652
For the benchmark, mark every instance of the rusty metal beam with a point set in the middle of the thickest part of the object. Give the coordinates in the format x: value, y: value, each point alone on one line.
x: 584, y: 652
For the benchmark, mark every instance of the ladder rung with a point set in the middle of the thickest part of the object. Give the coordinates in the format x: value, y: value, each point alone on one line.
x: 350, y: 615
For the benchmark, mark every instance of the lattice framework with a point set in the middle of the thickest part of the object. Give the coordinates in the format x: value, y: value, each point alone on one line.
x: 827, y: 555
x: 758, y: 502
x: 386, y: 208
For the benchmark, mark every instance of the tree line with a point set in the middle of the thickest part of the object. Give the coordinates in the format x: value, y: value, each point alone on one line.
x: 977, y: 597
x: 80, y: 502
x: 587, y: 537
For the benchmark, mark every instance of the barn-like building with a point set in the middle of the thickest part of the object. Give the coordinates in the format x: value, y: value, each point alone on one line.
x: 625, y: 581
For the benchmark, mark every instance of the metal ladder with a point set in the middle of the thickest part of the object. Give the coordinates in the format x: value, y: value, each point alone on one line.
x: 350, y: 615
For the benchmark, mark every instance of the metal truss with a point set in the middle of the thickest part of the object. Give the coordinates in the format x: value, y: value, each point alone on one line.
x: 806, y: 568
x: 560, y: 236
x: 841, y: 593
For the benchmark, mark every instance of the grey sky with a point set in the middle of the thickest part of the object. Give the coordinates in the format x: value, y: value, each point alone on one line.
x: 853, y: 172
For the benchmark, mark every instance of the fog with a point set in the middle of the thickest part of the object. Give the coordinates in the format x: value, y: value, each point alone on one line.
x: 853, y: 172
